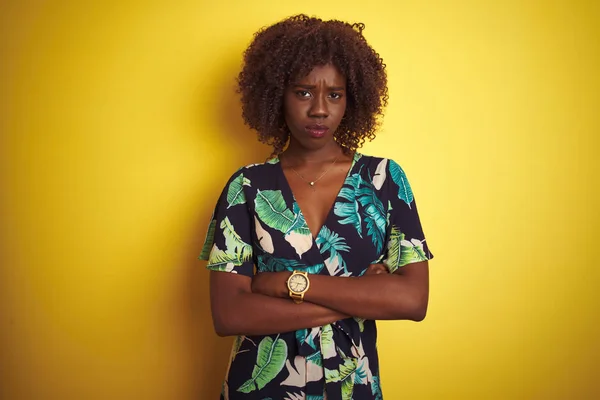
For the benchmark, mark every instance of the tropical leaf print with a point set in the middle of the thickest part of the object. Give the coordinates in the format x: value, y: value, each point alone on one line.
x: 236, y: 250
x: 362, y: 201
x: 349, y: 213
x: 265, y: 241
x: 308, y: 337
x: 334, y: 243
x: 294, y: 396
x: 399, y: 177
x: 301, y: 335
x: 376, y: 388
x: 210, y: 239
x: 392, y: 262
x: 316, y: 358
x: 237, y: 345
x: 235, y: 192
x: 345, y: 375
x: 361, y: 323
x: 272, y: 210
x: 401, y: 252
x: 376, y: 224
x: 360, y: 376
x: 299, y: 224
x: 270, y: 360
x: 314, y: 269
x: 380, y: 174
x: 327, y: 343
x: 349, y: 210
x: 221, y: 260
x: 234, y: 243
x: 411, y: 251
x: 296, y: 374
x: 268, y: 263
x: 374, y: 214
x: 333, y: 266
x: 301, y: 242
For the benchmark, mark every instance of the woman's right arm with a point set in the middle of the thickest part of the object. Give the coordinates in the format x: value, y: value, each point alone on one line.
x: 238, y: 311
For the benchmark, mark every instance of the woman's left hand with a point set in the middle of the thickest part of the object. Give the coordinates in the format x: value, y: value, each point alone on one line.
x: 272, y: 284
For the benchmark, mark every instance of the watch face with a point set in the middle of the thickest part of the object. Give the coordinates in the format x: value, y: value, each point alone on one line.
x: 298, y: 283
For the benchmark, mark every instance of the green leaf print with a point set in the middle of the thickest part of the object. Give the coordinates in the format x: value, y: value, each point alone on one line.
x: 350, y: 214
x: 313, y: 269
x: 374, y: 213
x: 268, y: 263
x: 316, y: 358
x: 301, y: 335
x: 272, y: 210
x: 221, y: 261
x: 236, y: 250
x: 334, y: 243
x: 305, y: 336
x: 393, y: 251
x: 299, y: 224
x: 376, y: 225
x: 399, y: 177
x: 361, y: 323
x: 209, y: 241
x: 345, y: 375
x: 235, y: 192
x: 234, y: 243
x: 411, y: 251
x: 270, y: 360
x: 327, y: 343
x: 237, y: 344
x: 350, y: 210
x: 401, y: 252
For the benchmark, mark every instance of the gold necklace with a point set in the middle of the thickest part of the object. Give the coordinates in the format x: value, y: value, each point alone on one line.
x: 312, y: 183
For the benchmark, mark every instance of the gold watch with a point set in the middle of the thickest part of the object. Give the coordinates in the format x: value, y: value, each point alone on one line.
x: 298, y: 284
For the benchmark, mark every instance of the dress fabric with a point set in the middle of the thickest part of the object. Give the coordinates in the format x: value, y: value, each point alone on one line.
x: 257, y: 226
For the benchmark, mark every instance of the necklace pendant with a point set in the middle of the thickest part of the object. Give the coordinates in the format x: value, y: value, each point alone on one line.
x: 312, y: 184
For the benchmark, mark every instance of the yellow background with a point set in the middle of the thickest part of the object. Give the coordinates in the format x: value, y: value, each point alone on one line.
x: 118, y: 126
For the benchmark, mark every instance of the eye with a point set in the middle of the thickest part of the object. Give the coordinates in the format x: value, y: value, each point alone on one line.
x: 335, y: 96
x: 302, y: 93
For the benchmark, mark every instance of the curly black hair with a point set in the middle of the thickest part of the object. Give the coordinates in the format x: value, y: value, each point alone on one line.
x: 290, y: 49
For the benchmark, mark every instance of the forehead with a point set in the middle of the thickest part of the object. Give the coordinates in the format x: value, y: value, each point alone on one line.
x: 327, y: 74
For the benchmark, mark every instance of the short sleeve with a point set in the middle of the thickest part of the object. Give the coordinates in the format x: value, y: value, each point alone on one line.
x: 228, y: 244
x: 406, y: 242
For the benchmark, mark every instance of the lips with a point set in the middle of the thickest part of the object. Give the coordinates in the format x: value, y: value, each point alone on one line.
x: 316, y: 131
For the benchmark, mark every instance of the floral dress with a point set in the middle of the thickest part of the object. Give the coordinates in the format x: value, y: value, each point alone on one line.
x: 258, y: 226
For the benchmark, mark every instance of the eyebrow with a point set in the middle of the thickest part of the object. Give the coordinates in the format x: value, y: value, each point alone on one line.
x: 337, y: 88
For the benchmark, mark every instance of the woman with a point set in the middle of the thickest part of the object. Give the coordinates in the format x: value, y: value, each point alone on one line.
x: 334, y: 235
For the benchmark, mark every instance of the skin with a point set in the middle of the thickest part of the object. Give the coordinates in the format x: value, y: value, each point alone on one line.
x: 318, y: 98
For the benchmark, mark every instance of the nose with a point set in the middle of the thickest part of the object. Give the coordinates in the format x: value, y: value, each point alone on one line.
x: 318, y: 107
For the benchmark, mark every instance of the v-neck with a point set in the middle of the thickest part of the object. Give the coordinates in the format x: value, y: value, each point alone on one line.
x: 288, y: 188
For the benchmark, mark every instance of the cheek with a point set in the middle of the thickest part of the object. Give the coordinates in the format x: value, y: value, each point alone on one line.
x: 340, y: 111
x: 294, y: 113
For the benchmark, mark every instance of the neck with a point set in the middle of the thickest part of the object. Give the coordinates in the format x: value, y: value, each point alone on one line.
x: 302, y: 155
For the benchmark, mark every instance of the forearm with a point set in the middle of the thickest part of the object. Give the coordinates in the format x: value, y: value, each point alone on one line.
x: 385, y: 296
x: 257, y: 314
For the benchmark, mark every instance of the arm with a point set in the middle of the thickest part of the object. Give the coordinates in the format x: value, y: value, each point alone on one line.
x: 238, y: 311
x: 401, y: 295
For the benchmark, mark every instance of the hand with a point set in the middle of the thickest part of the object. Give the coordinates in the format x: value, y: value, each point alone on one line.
x: 273, y: 284
x: 376, y: 269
